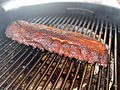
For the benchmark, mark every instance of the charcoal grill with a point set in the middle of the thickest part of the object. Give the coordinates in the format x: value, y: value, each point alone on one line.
x: 23, y: 67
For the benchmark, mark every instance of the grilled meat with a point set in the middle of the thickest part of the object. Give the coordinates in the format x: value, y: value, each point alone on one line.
x: 71, y: 44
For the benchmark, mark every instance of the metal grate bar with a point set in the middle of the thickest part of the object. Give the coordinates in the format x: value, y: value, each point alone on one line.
x: 101, y: 31
x: 62, y: 87
x: 109, y: 52
x: 38, y: 61
x: 88, y: 25
x: 93, y: 25
x: 47, y: 57
x: 38, y: 20
x: 47, y: 20
x: 73, y: 81
x: 8, y: 54
x: 84, y: 23
x: 55, y: 21
x: 54, y: 85
x: 106, y: 30
x: 10, y: 47
x: 69, y: 25
x: 60, y: 20
x: 51, y: 20
x: 80, y: 24
x: 96, y: 29
x: 66, y: 23
x: 110, y: 40
x: 32, y: 19
x: 62, y: 23
x: 47, y: 82
x: 3, y: 65
x: 45, y: 73
x: 91, y: 77
x: 115, y: 55
x: 77, y: 21
x: 6, y: 45
x: 83, y: 76
x: 99, y: 78
x: 26, y: 17
x: 13, y: 65
x: 30, y: 61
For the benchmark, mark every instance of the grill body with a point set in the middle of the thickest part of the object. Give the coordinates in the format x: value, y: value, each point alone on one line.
x: 21, y: 66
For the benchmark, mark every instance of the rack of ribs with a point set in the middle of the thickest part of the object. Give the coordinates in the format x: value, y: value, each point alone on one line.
x: 67, y: 43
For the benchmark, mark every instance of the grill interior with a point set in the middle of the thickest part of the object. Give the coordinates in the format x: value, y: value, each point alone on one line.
x: 22, y: 67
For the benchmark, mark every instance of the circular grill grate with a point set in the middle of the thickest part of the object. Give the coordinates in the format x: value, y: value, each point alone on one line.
x: 22, y: 67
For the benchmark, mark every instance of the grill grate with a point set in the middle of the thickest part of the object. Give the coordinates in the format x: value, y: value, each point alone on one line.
x: 22, y: 67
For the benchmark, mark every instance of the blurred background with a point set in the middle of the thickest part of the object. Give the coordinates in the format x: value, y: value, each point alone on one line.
x: 12, y: 4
